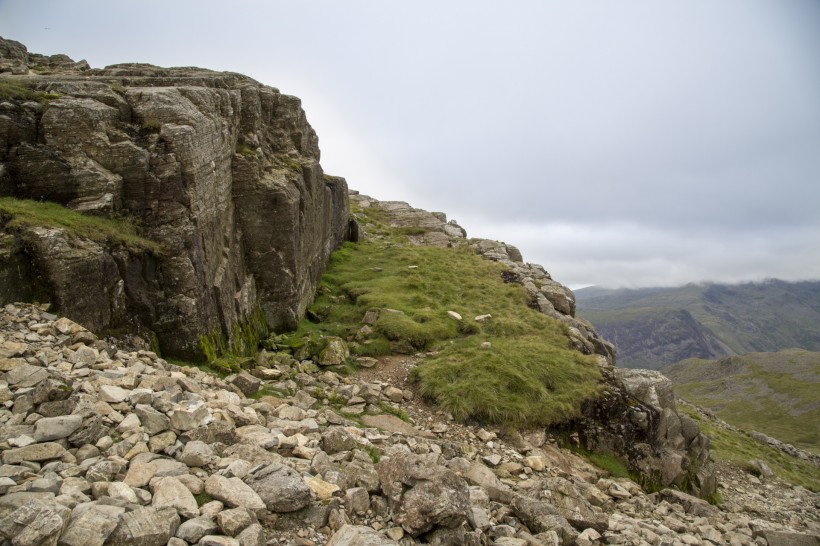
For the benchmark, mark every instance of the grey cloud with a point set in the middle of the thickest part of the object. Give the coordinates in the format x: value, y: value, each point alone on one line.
x: 670, y: 142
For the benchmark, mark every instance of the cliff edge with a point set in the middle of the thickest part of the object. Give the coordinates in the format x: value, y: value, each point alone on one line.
x: 219, y: 169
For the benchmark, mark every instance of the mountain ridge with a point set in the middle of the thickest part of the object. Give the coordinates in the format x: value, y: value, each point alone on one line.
x: 655, y: 327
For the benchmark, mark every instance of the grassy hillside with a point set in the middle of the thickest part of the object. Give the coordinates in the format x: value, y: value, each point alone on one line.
x: 514, y: 368
x: 739, y: 448
x: 774, y: 393
x: 655, y: 327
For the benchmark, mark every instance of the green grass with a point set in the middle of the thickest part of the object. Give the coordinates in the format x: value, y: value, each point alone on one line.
x: 202, y: 499
x: 152, y: 125
x: 19, y: 90
x: 773, y: 393
x: 529, y: 376
x: 613, y: 465
x: 396, y: 412
x: 23, y: 213
x: 373, y: 452
x: 244, y: 150
x: 263, y: 391
x: 741, y: 449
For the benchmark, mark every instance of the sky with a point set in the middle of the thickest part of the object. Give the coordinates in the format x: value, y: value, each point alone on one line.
x: 630, y: 143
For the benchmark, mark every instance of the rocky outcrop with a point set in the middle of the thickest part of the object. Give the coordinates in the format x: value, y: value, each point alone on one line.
x: 634, y: 418
x: 92, y: 454
x: 641, y: 420
x: 222, y: 171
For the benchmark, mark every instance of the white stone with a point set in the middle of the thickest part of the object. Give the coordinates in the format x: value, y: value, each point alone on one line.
x: 113, y: 394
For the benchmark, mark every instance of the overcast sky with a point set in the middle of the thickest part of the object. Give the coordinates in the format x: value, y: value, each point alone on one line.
x: 628, y: 143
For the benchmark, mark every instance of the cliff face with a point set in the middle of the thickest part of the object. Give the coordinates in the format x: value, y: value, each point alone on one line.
x: 222, y: 171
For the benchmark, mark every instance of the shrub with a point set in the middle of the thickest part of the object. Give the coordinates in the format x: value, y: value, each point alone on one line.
x: 151, y: 126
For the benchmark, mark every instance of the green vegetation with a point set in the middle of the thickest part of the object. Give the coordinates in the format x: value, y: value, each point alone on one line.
x: 244, y: 150
x: 392, y: 410
x: 203, y: 498
x: 773, y: 393
x: 610, y: 463
x: 226, y: 353
x: 19, y: 90
x: 118, y: 88
x: 152, y: 125
x: 741, y: 449
x: 293, y: 165
x: 265, y: 390
x: 373, y: 452
x: 527, y: 376
x: 22, y: 213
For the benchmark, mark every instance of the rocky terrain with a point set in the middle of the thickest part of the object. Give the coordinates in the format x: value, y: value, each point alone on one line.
x: 222, y: 171
x: 104, y: 445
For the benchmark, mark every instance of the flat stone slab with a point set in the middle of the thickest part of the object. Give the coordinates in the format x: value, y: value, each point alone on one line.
x: 391, y: 423
x: 34, y: 452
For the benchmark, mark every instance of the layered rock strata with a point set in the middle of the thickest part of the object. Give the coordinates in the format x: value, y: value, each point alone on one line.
x: 222, y: 171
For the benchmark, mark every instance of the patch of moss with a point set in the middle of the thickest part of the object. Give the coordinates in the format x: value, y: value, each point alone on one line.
x: 244, y: 150
x: 243, y: 342
x: 152, y: 126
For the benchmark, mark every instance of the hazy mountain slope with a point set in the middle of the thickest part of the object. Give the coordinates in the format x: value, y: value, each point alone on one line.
x: 654, y: 327
x: 774, y: 393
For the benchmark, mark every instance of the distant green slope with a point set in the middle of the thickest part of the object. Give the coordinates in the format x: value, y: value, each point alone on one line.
x: 654, y: 327
x: 777, y: 393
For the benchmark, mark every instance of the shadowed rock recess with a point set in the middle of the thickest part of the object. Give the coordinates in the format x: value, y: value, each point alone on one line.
x: 222, y: 171
x: 107, y: 443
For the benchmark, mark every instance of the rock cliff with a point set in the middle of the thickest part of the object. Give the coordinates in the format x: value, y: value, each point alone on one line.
x: 222, y: 171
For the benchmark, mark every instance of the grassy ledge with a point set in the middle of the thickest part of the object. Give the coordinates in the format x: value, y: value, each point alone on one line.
x: 11, y: 89
x: 23, y: 213
x: 516, y: 369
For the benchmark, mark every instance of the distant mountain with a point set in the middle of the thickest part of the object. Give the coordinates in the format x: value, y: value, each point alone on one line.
x: 654, y: 327
x: 773, y: 393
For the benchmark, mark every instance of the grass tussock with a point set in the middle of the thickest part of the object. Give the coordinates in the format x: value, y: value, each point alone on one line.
x: 22, y: 213
x: 527, y: 376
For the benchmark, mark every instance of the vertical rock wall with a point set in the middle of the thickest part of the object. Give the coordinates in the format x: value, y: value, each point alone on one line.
x: 222, y: 171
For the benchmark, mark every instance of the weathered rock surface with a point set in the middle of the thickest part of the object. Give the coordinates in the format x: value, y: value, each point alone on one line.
x: 222, y: 171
